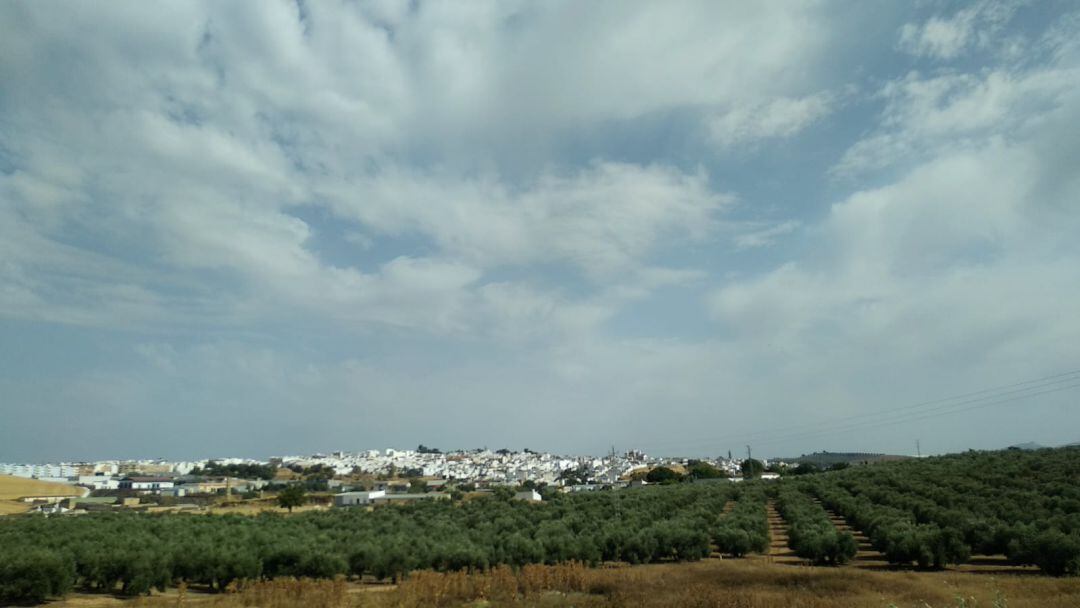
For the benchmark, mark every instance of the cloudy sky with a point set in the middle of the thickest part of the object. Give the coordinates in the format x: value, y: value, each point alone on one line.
x: 250, y: 229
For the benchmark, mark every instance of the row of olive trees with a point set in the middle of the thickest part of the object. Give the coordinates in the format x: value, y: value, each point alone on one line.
x: 939, y: 511
x: 895, y: 533
x: 133, y: 553
x: 811, y: 534
x: 746, y: 528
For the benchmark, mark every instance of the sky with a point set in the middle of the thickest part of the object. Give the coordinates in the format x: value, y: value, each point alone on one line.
x: 257, y: 229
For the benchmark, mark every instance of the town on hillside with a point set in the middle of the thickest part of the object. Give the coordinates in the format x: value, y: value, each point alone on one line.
x: 368, y: 477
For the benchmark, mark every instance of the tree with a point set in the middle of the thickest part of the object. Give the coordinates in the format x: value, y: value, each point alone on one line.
x: 418, y: 486
x: 704, y: 470
x: 573, y: 477
x: 292, y: 496
x: 662, y: 475
x: 752, y: 468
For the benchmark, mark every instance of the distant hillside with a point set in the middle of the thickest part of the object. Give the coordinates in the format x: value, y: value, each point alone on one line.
x: 827, y: 459
x: 1031, y: 445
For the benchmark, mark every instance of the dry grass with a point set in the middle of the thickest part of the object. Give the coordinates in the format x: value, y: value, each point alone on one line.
x: 254, y: 507
x: 11, y: 507
x: 752, y: 583
x: 12, y: 488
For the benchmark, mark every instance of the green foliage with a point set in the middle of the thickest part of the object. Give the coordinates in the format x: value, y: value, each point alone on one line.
x: 746, y: 528
x: 246, y: 471
x: 752, y: 468
x: 136, y: 552
x: 33, y: 575
x: 662, y: 475
x: 811, y: 534
x: 805, y: 468
x: 573, y: 477
x: 292, y: 497
x: 938, y: 511
x: 704, y: 470
x: 930, y: 512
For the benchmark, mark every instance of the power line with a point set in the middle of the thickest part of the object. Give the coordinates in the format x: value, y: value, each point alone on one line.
x: 920, y: 415
x: 1029, y: 388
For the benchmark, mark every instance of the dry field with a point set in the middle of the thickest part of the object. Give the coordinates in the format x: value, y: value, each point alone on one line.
x: 255, y: 507
x: 14, y: 488
x: 751, y: 583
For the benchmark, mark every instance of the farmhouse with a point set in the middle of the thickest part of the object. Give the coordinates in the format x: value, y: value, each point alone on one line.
x: 528, y: 496
x: 355, y: 499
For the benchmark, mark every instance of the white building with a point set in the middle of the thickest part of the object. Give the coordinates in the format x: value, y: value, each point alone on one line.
x: 146, y: 484
x: 354, y: 499
x: 99, y: 482
x: 528, y: 496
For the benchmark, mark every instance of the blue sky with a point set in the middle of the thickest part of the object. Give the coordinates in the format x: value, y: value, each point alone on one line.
x: 239, y: 229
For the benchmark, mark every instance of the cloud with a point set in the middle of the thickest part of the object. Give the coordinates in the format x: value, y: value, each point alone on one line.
x: 366, y: 222
x: 923, y: 113
x: 949, y: 37
x: 765, y: 236
x: 603, y: 219
x: 965, y: 262
x: 778, y: 118
x: 192, y: 172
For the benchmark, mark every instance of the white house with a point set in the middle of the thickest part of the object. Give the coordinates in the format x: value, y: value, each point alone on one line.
x: 99, y: 482
x: 528, y: 496
x: 353, y: 499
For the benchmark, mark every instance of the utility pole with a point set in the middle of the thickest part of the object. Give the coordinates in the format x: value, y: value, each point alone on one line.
x: 918, y: 449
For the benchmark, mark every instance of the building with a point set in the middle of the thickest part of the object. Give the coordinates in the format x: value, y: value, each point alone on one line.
x: 402, y: 498
x: 146, y: 484
x: 99, y: 482
x: 355, y: 499
x: 528, y: 496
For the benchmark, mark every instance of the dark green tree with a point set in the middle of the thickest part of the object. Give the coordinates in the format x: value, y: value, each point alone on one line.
x: 662, y: 475
x: 704, y: 470
x: 292, y: 497
x: 752, y: 468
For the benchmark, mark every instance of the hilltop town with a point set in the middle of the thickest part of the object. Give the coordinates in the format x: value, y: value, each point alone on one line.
x: 399, y: 474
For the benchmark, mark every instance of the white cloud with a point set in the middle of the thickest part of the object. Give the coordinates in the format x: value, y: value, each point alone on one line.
x: 509, y: 212
x: 604, y: 219
x: 194, y: 161
x: 966, y: 264
x: 778, y: 118
x: 765, y: 236
x: 976, y: 26
x: 922, y: 113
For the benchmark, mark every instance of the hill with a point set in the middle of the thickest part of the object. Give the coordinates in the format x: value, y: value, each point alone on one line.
x: 14, y: 488
x: 827, y: 459
x: 1031, y: 445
